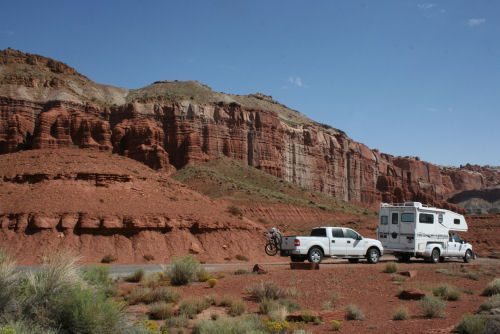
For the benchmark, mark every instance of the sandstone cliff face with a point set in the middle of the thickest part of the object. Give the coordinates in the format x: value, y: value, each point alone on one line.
x: 163, y: 133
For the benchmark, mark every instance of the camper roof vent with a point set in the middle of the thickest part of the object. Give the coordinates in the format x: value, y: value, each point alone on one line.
x: 414, y: 204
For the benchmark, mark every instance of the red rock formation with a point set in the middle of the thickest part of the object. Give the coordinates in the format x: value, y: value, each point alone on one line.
x: 160, y: 132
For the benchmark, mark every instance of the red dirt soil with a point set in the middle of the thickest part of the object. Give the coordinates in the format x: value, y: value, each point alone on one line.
x: 367, y: 287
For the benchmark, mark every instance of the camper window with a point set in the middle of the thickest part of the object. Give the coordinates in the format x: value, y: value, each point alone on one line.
x: 395, y: 217
x: 456, y: 221
x: 384, y: 220
x: 407, y: 217
x: 440, y: 218
x: 426, y: 218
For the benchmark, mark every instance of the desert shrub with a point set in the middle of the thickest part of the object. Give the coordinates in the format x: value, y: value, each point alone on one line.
x: 431, y: 307
x: 9, y: 279
x: 241, y: 272
x: 98, y: 277
x: 447, y: 292
x: 354, y: 313
x: 491, y: 303
x: 150, y: 280
x: 177, y: 322
x: 87, y: 311
x: 24, y: 327
x: 290, y: 305
x: 192, y: 306
x: 493, y: 288
x: 268, y: 289
x: 221, y: 275
x: 202, y: 274
x: 471, y: 324
x: 335, y: 325
x: 331, y: 302
x: 161, y: 310
x: 401, y: 313
x: 204, y: 277
x: 278, y: 314
x: 398, y: 278
x: 294, y: 293
x: 211, y: 299
x: 234, y: 210
x: 268, y: 305
x: 136, y: 276
x: 307, y: 316
x: 277, y: 326
x: 225, y: 325
x: 227, y: 300
x: 182, y: 271
x: 241, y: 258
x: 110, y: 258
x: 237, y: 308
x: 212, y: 282
x: 390, y: 267
x: 148, y: 295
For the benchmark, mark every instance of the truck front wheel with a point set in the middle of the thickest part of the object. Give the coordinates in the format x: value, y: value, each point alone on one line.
x: 468, y: 256
x: 373, y: 255
x: 315, y: 255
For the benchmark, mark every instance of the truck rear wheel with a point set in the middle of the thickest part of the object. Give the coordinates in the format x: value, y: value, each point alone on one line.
x: 435, y: 255
x: 315, y: 255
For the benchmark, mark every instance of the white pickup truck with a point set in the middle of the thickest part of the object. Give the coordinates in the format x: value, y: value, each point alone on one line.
x: 339, y: 242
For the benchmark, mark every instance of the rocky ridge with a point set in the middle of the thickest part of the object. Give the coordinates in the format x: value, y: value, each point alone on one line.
x: 47, y: 104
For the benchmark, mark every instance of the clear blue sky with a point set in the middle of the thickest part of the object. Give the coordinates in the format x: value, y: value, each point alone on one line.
x: 406, y: 77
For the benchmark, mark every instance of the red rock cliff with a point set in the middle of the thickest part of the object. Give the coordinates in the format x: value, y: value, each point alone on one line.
x: 161, y: 130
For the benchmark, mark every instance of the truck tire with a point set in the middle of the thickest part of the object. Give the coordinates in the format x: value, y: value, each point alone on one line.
x: 468, y: 256
x: 297, y: 258
x: 373, y: 255
x: 435, y: 255
x: 315, y: 255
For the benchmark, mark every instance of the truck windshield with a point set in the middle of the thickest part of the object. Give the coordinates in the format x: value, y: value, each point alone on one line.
x: 318, y: 232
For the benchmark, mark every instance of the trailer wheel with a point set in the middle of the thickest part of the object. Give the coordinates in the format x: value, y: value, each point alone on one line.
x: 435, y: 255
x: 315, y: 255
x: 468, y: 256
x: 373, y: 255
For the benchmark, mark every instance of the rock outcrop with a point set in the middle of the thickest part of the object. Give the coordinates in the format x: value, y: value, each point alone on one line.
x: 171, y: 124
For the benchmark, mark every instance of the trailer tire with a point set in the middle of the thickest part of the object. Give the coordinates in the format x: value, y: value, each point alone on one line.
x: 435, y: 255
x: 373, y: 255
x: 315, y: 255
x: 468, y: 256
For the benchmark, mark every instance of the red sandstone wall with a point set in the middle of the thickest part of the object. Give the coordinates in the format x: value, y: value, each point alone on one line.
x: 161, y: 135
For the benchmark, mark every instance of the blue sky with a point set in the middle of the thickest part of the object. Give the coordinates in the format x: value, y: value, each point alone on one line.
x: 406, y: 77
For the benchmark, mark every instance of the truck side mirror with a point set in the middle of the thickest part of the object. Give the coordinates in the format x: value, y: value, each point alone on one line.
x: 359, y: 237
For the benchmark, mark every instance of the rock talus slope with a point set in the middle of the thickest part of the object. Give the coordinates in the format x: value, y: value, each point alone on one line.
x: 47, y: 104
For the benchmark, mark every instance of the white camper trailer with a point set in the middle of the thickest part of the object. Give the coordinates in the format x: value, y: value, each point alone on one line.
x: 412, y: 229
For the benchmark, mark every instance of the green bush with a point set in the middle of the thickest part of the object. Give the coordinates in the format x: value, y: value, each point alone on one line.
x: 471, y: 324
x: 278, y: 314
x: 109, y: 258
x: 390, y: 267
x: 267, y: 289
x: 211, y: 299
x: 136, y: 276
x: 401, y: 313
x: 241, y: 272
x: 98, y: 277
x: 177, y: 322
x: 161, y: 310
x: 87, y: 311
x: 225, y: 325
x: 493, y: 288
x: 23, y: 327
x: 268, y: 305
x: 335, y: 325
x: 192, y: 306
x: 183, y: 271
x: 148, y: 295
x: 237, y: 308
x: 241, y: 258
x: 290, y: 305
x: 9, y: 279
x: 447, y: 292
x: 212, y: 282
x: 491, y: 303
x: 227, y: 300
x: 431, y: 307
x: 354, y: 313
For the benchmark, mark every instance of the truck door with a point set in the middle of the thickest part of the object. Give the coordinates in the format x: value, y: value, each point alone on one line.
x: 338, y: 243
x: 353, y: 243
x: 394, y: 230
